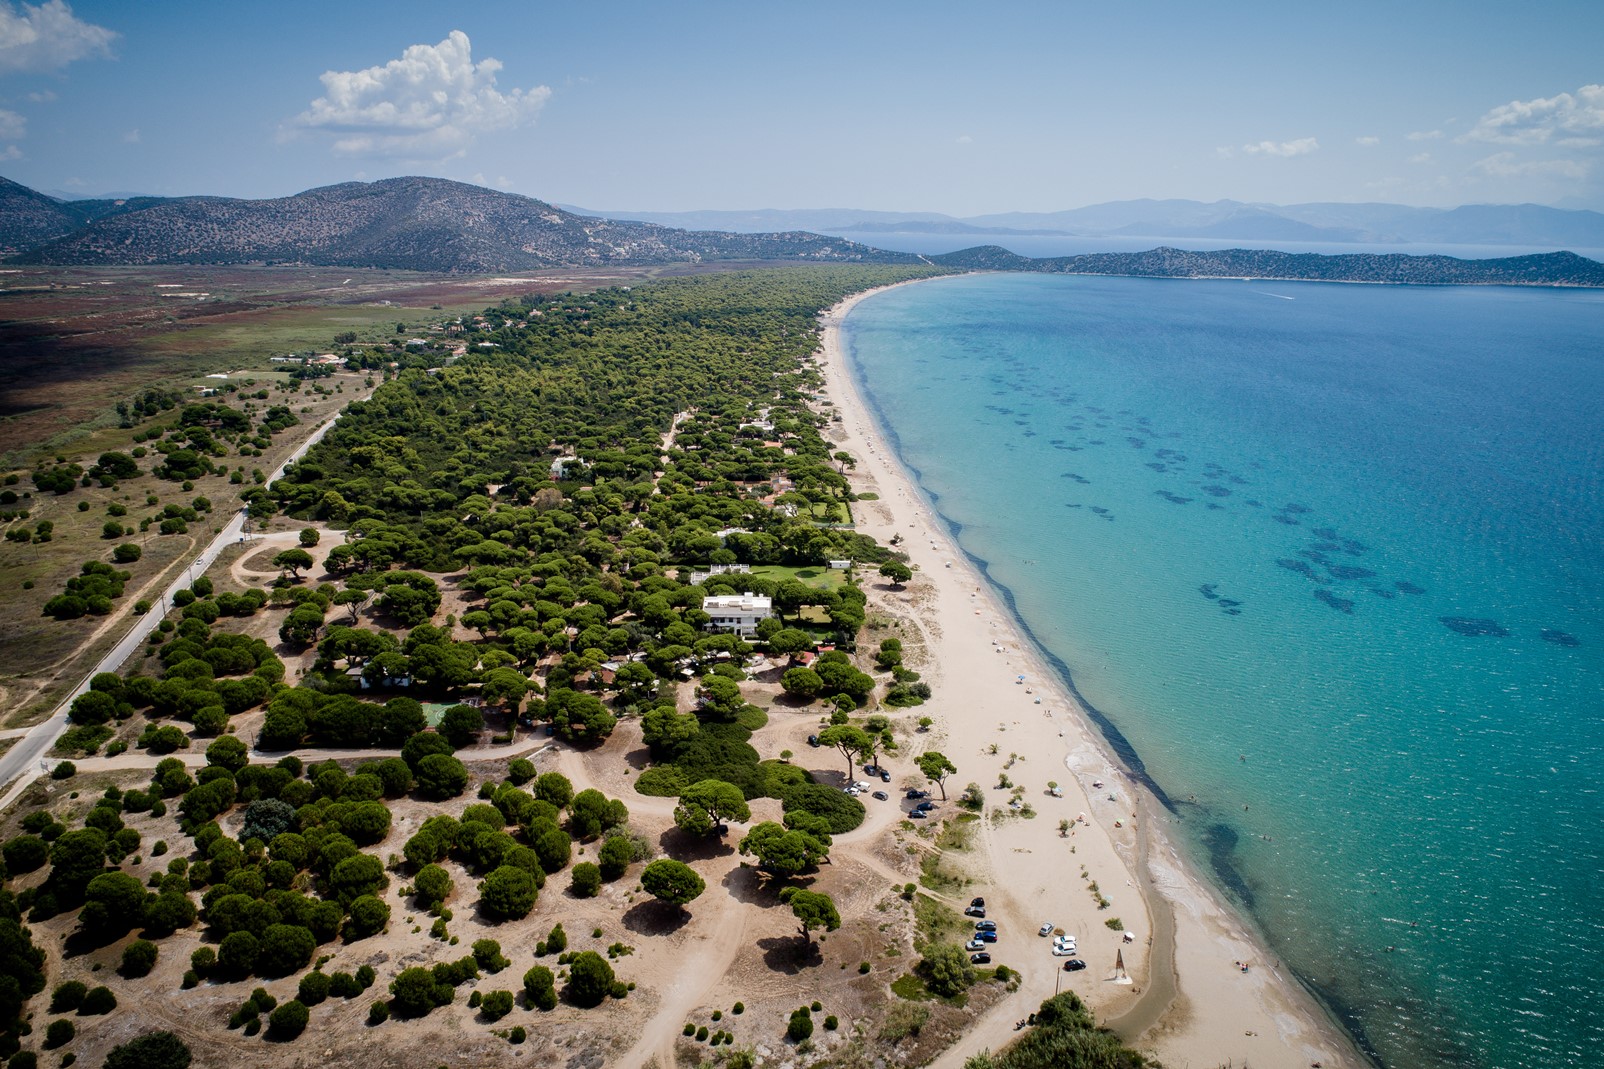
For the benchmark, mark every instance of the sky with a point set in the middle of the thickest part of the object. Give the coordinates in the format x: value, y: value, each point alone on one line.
x: 961, y: 108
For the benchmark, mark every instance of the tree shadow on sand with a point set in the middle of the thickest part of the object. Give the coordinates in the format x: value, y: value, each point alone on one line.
x: 686, y: 847
x: 655, y: 918
x: 789, y: 954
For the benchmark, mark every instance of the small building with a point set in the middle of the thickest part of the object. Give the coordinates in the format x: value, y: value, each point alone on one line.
x: 739, y: 613
x: 840, y: 565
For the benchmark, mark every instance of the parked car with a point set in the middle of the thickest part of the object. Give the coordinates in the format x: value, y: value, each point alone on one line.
x: 980, y: 959
x: 885, y: 777
x: 925, y: 807
x: 911, y: 793
x: 974, y: 911
x: 881, y: 795
x: 813, y: 740
x: 872, y: 770
x: 975, y: 944
x: 917, y: 815
x: 1074, y: 965
x: 985, y: 926
x: 986, y: 937
x: 862, y: 785
x: 1064, y: 952
x: 977, y: 901
x: 1046, y: 929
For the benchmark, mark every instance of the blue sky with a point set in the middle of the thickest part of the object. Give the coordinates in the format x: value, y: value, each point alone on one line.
x: 962, y: 108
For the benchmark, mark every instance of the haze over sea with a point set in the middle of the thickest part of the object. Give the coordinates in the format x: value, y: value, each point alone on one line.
x: 1328, y: 557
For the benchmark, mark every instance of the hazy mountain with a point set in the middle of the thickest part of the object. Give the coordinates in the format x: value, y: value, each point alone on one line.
x: 771, y: 219
x: 1487, y: 224
x: 424, y: 224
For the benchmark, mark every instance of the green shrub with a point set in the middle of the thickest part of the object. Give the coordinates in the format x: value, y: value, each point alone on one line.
x: 379, y: 1012
x: 289, y: 1020
x: 60, y: 1033
x: 139, y: 957
x: 97, y: 1001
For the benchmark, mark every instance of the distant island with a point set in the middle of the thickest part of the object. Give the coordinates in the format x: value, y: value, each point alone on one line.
x: 435, y: 225
x: 1542, y: 269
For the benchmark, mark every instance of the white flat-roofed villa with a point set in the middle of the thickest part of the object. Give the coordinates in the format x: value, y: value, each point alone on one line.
x: 739, y: 613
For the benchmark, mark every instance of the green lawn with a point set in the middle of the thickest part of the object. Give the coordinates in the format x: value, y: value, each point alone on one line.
x: 816, y: 576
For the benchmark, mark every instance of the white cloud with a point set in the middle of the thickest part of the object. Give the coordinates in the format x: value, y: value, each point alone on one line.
x: 1506, y: 165
x: 1367, y: 141
x: 47, y: 36
x: 43, y: 96
x: 12, y: 125
x: 429, y: 104
x: 1224, y: 152
x: 131, y: 137
x: 1301, y: 147
x: 1420, y: 157
x: 1424, y: 135
x: 964, y: 139
x: 1572, y: 119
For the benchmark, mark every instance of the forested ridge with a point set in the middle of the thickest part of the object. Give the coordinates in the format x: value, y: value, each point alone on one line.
x: 408, y: 223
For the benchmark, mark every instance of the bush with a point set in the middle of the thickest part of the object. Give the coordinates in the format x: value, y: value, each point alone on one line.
x: 508, y: 893
x: 496, y: 1005
x: 139, y: 957
x: 799, y: 1028
x: 155, y: 1050
x: 60, y: 1033
x: 738, y: 1008
x: 68, y: 996
x: 314, y: 988
x: 540, y: 988
x: 289, y: 1020
x: 97, y: 1001
x: 64, y: 770
x: 590, y: 979
x: 587, y: 880
x: 831, y: 1024
x: 379, y: 1012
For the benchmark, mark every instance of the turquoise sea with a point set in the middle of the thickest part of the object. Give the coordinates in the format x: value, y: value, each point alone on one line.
x: 1328, y: 561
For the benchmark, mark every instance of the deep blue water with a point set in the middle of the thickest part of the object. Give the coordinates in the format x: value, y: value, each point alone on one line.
x: 1331, y: 559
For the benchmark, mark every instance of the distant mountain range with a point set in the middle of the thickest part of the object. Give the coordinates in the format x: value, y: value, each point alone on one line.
x: 430, y: 224
x: 419, y: 224
x: 1227, y: 220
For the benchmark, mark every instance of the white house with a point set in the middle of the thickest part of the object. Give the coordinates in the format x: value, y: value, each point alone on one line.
x: 737, y: 612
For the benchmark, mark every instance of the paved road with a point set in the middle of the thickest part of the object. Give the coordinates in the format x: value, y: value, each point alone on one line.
x: 27, y: 758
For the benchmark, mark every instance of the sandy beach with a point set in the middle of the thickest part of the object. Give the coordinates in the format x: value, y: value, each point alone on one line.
x: 999, y: 711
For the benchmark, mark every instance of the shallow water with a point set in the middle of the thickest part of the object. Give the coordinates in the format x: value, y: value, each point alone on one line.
x: 1329, y: 558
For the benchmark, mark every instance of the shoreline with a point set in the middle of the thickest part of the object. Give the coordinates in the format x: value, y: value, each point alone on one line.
x: 1186, y: 935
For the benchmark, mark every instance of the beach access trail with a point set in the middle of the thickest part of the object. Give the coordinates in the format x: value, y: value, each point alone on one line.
x: 999, y: 710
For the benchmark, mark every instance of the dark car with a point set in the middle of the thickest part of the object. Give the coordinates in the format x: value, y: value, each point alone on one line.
x: 917, y: 815
x: 985, y: 926
x: 977, y: 902
x: 880, y: 796
x: 872, y: 770
x: 885, y: 776
x: 911, y: 793
x: 981, y: 958
x: 986, y: 937
x: 974, y: 911
x: 813, y: 740
x: 924, y: 807
x: 1074, y: 965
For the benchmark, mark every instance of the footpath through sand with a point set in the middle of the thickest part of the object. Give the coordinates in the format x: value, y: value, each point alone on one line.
x: 1188, y: 1001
